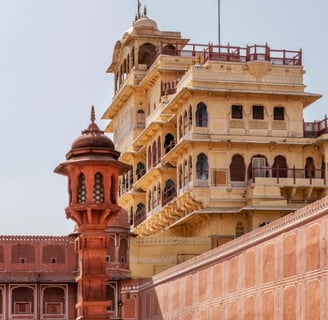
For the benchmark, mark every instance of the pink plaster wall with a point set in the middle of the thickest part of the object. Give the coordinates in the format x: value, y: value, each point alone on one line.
x: 275, y: 272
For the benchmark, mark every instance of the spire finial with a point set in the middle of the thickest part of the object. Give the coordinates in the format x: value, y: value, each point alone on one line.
x: 93, y: 128
x: 93, y: 114
x: 145, y: 11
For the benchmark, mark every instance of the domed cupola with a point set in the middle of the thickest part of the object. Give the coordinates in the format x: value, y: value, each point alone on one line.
x: 143, y: 22
x: 93, y: 168
x: 92, y: 142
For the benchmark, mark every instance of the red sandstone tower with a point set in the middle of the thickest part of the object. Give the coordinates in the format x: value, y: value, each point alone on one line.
x: 92, y: 169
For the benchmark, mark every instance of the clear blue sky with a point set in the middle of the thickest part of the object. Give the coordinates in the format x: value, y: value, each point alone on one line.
x: 53, y: 59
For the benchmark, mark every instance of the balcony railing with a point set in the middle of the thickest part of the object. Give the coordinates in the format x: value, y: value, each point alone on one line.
x: 168, y: 195
x: 293, y: 174
x: 169, y: 146
x: 316, y: 128
x: 231, y: 53
x: 140, y: 172
x: 202, y: 182
x: 169, y: 87
x: 139, y: 217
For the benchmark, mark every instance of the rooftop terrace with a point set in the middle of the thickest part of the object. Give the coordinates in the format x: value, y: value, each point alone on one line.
x: 231, y: 53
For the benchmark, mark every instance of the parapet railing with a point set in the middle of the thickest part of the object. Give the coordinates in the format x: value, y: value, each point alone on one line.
x: 203, y: 53
x: 316, y: 128
x: 36, y: 238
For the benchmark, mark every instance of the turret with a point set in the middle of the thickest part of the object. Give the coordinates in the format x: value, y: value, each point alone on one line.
x: 92, y: 168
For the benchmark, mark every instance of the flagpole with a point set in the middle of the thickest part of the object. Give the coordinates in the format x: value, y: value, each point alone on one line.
x: 139, y: 6
x: 219, y: 22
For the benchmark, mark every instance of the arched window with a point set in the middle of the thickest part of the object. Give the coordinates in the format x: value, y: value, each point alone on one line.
x: 154, y: 155
x: 239, y: 230
x: 140, y: 214
x: 323, y: 168
x: 131, y: 176
x: 180, y: 176
x: 201, y: 115
x: 237, y: 168
x: 169, y: 49
x: 146, y: 53
x: 185, y: 122
x: 190, y: 168
x: 128, y: 63
x: 131, y: 215
x: 123, y: 251
x: 141, y: 170
x: 149, y: 200
x: 149, y: 157
x: 180, y: 127
x: 82, y: 191
x: 53, y: 254
x: 54, y: 301
x: 140, y: 207
x: 185, y: 172
x: 132, y: 57
x: 124, y: 69
x: 279, y: 167
x: 258, y: 167
x: 111, y: 251
x: 154, y: 198
x: 169, y: 142
x: 190, y: 117
x: 22, y: 299
x: 202, y: 167
x: 159, y: 155
x: 22, y: 253
x: 309, y: 168
x: 122, y: 184
x: 169, y: 191
x: 121, y: 75
x: 98, y: 188
x: 113, y: 190
x: 159, y: 193
x: 141, y: 119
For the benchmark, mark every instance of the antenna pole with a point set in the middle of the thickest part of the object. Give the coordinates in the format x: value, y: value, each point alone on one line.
x: 219, y: 22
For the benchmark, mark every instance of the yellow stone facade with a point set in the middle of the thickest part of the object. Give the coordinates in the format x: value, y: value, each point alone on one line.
x: 215, y: 138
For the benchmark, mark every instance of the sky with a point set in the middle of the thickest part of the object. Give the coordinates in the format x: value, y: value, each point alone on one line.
x: 53, y: 60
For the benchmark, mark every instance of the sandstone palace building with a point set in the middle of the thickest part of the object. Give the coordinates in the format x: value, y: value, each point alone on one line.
x: 208, y: 203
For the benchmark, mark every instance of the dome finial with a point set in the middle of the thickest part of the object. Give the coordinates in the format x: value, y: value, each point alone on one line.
x: 93, y: 114
x: 93, y: 128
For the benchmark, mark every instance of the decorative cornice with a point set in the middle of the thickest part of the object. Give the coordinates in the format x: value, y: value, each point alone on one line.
x: 29, y: 238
